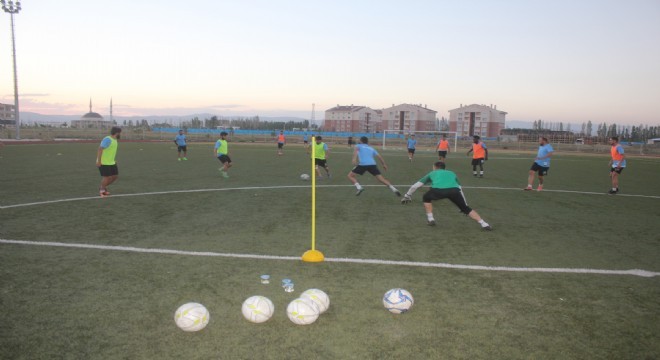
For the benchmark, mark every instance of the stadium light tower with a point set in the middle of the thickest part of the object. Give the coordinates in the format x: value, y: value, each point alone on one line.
x: 12, y: 8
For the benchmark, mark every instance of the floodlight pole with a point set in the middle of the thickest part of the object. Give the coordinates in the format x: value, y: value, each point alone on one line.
x: 12, y: 8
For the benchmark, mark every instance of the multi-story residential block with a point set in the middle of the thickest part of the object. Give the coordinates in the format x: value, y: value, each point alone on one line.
x: 352, y: 119
x: 409, y: 117
x: 482, y: 120
x: 7, y: 114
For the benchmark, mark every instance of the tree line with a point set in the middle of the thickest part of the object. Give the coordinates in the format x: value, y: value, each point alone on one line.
x: 604, y: 131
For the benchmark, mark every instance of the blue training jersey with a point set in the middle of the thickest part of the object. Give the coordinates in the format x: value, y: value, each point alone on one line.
x: 366, y: 154
x: 618, y: 163
x: 411, y: 143
x: 544, y: 151
x: 106, y: 142
x: 180, y: 140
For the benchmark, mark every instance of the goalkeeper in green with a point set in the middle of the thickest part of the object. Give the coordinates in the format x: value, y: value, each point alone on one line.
x: 444, y: 185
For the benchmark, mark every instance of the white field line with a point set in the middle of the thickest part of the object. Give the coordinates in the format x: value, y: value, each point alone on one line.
x: 633, y: 272
x: 296, y: 187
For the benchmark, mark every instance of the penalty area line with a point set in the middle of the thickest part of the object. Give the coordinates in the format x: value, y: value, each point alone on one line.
x: 633, y: 272
x: 97, y: 198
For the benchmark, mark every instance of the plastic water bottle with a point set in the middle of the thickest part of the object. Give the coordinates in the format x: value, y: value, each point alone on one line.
x: 287, y: 284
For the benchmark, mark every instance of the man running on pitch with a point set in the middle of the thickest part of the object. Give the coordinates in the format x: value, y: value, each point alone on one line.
x: 363, y: 159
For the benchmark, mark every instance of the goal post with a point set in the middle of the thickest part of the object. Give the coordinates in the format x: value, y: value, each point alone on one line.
x: 425, y: 139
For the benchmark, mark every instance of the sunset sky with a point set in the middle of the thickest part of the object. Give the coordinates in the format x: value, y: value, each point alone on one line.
x: 569, y: 61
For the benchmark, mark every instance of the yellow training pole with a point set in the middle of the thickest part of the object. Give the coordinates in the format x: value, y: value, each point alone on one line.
x: 313, y: 255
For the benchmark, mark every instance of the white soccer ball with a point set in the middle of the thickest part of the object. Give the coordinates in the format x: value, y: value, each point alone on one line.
x: 191, y: 317
x: 302, y: 311
x: 304, y: 177
x: 319, y: 297
x: 398, y: 301
x: 258, y: 309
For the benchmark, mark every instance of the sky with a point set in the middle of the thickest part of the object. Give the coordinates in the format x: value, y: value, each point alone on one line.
x: 559, y: 61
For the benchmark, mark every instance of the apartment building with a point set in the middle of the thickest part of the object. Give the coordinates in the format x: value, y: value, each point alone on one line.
x: 409, y: 117
x: 352, y: 118
x: 482, y: 120
x: 7, y: 114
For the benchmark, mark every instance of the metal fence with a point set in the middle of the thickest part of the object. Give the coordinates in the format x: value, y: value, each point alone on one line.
x: 331, y: 138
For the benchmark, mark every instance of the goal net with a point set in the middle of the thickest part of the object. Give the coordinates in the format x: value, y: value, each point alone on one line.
x: 426, y: 140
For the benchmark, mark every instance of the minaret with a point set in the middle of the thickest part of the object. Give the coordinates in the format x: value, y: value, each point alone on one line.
x: 90, y: 104
x: 313, y: 116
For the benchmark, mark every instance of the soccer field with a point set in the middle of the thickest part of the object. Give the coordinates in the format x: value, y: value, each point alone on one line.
x: 88, y: 278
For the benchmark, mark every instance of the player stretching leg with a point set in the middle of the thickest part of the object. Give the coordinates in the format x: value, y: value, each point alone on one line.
x: 444, y: 185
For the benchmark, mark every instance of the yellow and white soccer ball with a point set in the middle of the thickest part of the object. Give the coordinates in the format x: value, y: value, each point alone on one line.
x: 302, y: 311
x: 258, y: 309
x: 304, y: 177
x: 191, y: 317
x: 398, y: 301
x: 319, y: 297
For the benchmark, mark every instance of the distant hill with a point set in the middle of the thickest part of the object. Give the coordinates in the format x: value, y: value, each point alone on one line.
x: 31, y: 117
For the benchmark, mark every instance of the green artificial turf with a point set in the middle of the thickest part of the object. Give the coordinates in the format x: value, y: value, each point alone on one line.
x: 62, y: 302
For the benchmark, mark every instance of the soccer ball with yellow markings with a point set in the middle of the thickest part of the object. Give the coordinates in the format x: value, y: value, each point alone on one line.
x: 319, y: 297
x: 258, y: 309
x: 302, y: 311
x: 191, y: 317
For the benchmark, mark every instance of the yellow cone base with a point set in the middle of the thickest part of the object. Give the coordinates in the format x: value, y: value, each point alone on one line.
x: 313, y: 256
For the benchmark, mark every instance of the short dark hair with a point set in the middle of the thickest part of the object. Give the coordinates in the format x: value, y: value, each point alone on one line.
x: 223, y: 133
x: 319, y: 137
x: 544, y: 138
x: 476, y: 137
x: 615, y: 138
x: 439, y: 165
x: 364, y: 140
x: 115, y: 130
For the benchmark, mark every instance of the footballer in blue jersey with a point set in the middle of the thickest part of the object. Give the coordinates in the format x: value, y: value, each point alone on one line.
x: 182, y: 146
x: 541, y: 164
x: 411, y: 147
x: 364, y: 159
x: 617, y: 164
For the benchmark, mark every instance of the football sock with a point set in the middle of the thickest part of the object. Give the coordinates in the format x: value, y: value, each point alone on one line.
x: 429, y: 217
x: 483, y: 223
x: 357, y: 185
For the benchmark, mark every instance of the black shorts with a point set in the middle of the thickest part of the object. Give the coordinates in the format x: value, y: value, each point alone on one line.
x: 479, y: 161
x: 109, y: 170
x: 541, y: 170
x: 453, y: 194
x: 372, y: 169
x: 411, y: 151
x: 321, y: 162
x: 442, y: 154
x: 183, y: 148
x: 305, y: 142
x: 224, y: 159
x: 616, y: 170
x: 280, y: 145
